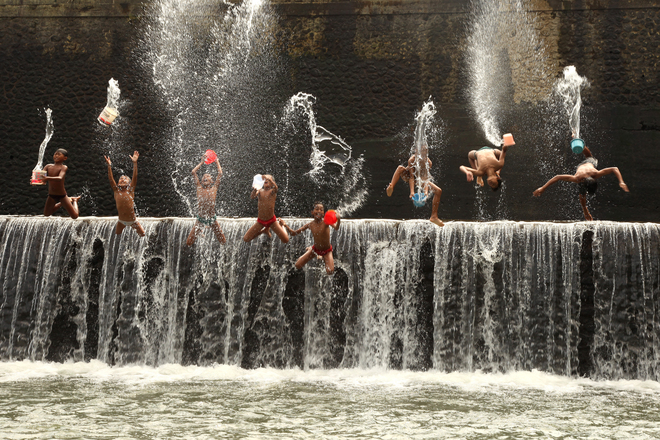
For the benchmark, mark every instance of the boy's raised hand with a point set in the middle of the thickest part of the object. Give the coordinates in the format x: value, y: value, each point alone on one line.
x: 107, y: 159
x: 135, y: 156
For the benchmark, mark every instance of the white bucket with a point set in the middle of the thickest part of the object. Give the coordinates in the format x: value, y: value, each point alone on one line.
x: 107, y: 116
x: 38, y: 177
x: 258, y: 181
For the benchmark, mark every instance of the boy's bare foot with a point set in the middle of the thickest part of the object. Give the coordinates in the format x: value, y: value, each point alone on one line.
x: 480, y: 181
x: 390, y: 190
x: 437, y: 221
x: 75, y: 199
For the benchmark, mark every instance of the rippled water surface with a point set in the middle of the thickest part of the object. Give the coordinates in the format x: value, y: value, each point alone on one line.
x: 94, y: 401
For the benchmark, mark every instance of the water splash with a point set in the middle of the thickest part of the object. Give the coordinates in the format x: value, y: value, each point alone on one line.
x: 423, y: 121
x: 49, y: 134
x: 335, y: 175
x: 506, y: 62
x: 212, y: 66
x: 569, y: 89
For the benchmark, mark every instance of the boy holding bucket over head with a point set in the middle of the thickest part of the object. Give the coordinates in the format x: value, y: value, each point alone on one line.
x: 585, y: 176
x: 320, y: 228
x: 57, y: 196
x: 265, y: 192
x: 124, y: 192
x: 207, y: 191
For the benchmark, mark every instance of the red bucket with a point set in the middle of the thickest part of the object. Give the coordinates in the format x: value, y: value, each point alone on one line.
x: 210, y: 157
x: 330, y: 217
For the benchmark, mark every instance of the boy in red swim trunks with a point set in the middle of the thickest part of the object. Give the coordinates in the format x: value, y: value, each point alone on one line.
x: 57, y: 197
x: 266, y: 218
x: 321, y: 233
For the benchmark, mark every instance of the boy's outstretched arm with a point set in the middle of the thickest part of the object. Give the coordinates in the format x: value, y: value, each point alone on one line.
x: 615, y: 171
x: 587, y: 152
x: 194, y: 170
x: 134, y: 158
x: 217, y: 178
x: 470, y: 172
x: 557, y: 178
x: 113, y: 184
x: 502, y: 155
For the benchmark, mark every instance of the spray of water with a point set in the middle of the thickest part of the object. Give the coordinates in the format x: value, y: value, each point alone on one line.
x: 333, y: 174
x: 423, y: 120
x: 506, y: 62
x: 113, y: 94
x: 211, y: 65
x: 49, y: 134
x: 569, y: 89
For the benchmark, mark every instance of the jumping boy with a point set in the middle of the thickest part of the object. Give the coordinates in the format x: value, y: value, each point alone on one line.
x: 321, y: 233
x: 57, y: 197
x: 486, y: 161
x: 266, y: 218
x: 124, y: 193
x: 421, y: 168
x: 585, y: 176
x: 207, y: 191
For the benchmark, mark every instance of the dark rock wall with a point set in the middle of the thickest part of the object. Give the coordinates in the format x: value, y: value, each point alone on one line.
x: 371, y: 65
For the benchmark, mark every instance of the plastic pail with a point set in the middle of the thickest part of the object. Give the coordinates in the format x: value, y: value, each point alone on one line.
x: 258, y: 181
x: 107, y: 116
x: 330, y: 217
x: 210, y: 157
x: 419, y: 200
x: 577, y: 145
x: 38, y: 177
x: 507, y: 139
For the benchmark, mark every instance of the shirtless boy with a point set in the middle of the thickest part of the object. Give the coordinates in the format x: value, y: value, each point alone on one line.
x: 420, y: 166
x: 124, y: 192
x: 487, y: 162
x: 207, y: 191
x: 585, y: 176
x: 57, y: 197
x: 266, y: 218
x: 321, y: 233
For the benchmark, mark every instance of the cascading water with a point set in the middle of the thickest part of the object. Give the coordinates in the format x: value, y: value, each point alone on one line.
x: 211, y: 63
x: 564, y: 298
x: 319, y: 164
x: 569, y: 90
x: 506, y: 62
x: 49, y: 134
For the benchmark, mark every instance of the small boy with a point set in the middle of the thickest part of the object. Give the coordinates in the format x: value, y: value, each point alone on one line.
x: 421, y: 167
x: 57, y: 197
x: 486, y: 161
x: 321, y: 233
x: 266, y: 218
x: 124, y: 192
x: 207, y: 191
x: 585, y: 176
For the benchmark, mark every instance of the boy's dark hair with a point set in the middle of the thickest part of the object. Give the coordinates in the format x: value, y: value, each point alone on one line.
x: 318, y: 203
x: 63, y: 151
x: 499, y: 184
x: 588, y: 185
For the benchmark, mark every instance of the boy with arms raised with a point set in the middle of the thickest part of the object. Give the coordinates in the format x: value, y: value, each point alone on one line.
x: 585, y: 176
x: 57, y: 197
x: 321, y: 233
x: 266, y: 218
x: 124, y: 192
x: 207, y: 191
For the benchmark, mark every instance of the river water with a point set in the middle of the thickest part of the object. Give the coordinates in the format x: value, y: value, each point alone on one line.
x: 95, y: 401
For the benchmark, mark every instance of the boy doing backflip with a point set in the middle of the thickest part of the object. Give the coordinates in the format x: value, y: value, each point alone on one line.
x: 486, y: 161
x: 419, y: 167
x: 57, y: 197
x: 585, y: 176
x: 321, y: 233
x: 266, y: 218
x: 207, y: 191
x: 124, y: 192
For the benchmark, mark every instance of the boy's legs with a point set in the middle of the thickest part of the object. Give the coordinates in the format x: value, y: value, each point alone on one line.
x: 51, y: 206
x: 280, y: 232
x: 120, y: 227
x: 138, y: 228
x: 395, y: 178
x: 71, y: 206
x: 437, y: 192
x: 253, y: 232
x: 585, y: 210
x: 215, y: 227
x: 305, y: 258
x: 329, y: 263
x: 197, y: 227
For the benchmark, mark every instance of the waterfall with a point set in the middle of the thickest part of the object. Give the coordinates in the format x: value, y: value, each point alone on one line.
x: 567, y: 298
